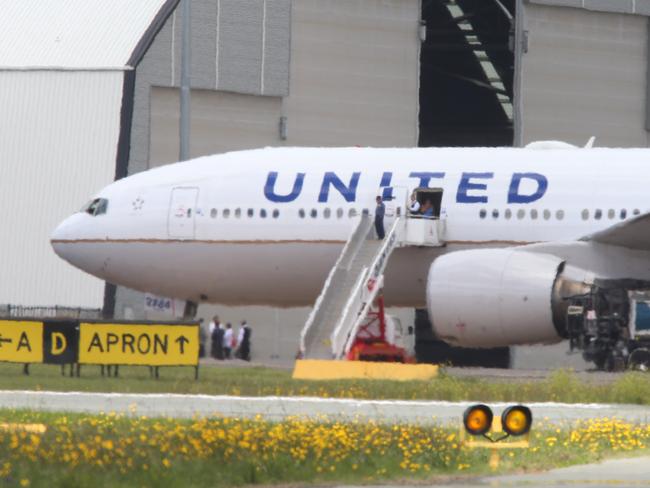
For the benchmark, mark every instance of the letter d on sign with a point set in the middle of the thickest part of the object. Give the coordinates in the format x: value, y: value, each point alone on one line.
x: 59, y: 343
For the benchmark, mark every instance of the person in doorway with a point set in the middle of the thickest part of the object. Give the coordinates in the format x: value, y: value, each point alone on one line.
x: 414, y: 206
x: 427, y: 209
x: 380, y: 210
x: 228, y: 340
x: 244, y: 342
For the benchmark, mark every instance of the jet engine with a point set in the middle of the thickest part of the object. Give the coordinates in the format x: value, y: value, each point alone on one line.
x: 501, y: 297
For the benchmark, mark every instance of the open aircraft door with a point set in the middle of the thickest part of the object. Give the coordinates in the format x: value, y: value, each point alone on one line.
x: 395, y: 199
x: 182, y: 213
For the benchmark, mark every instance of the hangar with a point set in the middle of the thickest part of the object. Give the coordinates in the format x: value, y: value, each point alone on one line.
x: 89, y: 94
x: 64, y: 71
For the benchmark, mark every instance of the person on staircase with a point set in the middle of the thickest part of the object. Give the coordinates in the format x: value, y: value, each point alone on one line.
x: 379, y: 218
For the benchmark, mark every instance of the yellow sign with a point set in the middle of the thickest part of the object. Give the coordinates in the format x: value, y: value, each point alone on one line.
x: 151, y: 345
x: 21, y: 341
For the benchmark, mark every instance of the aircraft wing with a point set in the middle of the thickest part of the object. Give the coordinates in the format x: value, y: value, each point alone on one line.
x: 633, y: 234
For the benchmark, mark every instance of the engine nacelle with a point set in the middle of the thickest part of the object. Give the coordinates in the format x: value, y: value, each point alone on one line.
x: 499, y: 297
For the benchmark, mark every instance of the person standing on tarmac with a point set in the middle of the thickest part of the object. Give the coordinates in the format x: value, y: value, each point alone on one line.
x: 228, y: 338
x: 380, y: 210
x: 216, y: 336
x: 244, y: 342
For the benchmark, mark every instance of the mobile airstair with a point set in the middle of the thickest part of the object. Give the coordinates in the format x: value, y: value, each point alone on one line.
x: 352, y: 299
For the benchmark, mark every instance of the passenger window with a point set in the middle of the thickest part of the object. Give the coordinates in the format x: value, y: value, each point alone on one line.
x: 521, y: 213
x: 533, y: 214
x: 352, y: 212
x: 189, y: 213
x: 226, y: 213
x: 585, y: 214
x: 301, y: 213
x: 508, y: 214
x: 495, y: 214
x: 339, y: 213
x: 636, y: 211
x: 263, y: 213
x: 250, y: 212
x: 623, y: 214
x: 276, y: 213
x: 598, y: 214
x: 547, y: 214
x: 314, y: 213
x: 238, y: 213
x: 213, y: 213
x: 327, y: 213
x: 482, y: 213
x: 611, y: 213
x: 559, y: 214
x: 366, y: 211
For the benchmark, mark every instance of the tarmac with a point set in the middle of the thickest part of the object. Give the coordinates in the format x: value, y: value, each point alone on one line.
x: 278, y: 408
x: 633, y: 472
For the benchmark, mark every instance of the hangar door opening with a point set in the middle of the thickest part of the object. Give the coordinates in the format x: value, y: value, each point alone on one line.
x: 466, y: 79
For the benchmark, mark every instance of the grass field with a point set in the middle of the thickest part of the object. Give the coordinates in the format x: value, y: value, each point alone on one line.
x: 82, y: 450
x: 562, y: 386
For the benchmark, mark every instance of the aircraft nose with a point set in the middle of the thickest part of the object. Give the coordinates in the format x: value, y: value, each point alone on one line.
x: 66, y: 229
x: 65, y: 234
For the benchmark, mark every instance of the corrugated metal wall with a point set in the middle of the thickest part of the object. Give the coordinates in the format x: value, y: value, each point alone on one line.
x: 58, y: 142
x: 584, y: 75
x: 253, y: 40
x: 355, y: 73
x: 73, y: 33
x: 221, y: 122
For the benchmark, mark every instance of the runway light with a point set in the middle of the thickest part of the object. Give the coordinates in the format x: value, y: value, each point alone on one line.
x: 478, y: 419
x: 516, y: 420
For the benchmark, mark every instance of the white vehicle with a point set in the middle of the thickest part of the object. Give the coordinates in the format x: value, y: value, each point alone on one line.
x: 524, y: 228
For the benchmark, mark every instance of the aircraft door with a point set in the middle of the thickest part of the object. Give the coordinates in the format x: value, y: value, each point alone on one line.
x: 182, y: 213
x: 396, y: 205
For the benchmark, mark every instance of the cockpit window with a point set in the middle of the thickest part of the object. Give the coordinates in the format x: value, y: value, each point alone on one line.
x: 98, y: 206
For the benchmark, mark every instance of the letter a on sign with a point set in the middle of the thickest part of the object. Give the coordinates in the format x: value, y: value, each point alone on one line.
x: 21, y: 341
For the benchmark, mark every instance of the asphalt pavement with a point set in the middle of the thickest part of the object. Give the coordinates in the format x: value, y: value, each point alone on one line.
x: 634, y: 472
x: 277, y: 408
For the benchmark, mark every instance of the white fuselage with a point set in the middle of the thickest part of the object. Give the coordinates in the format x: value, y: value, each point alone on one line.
x: 265, y: 226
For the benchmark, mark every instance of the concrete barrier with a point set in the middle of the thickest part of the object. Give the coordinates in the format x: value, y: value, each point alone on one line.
x: 316, y: 369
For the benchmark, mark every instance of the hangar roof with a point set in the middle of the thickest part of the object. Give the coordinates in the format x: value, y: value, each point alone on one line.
x: 77, y: 34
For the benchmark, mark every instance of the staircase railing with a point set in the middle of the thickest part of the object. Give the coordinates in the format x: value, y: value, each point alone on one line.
x: 362, y: 297
x: 350, y: 249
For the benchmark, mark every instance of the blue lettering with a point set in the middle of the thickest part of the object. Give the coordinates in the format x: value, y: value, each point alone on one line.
x: 425, y: 177
x: 269, y: 188
x: 513, y: 192
x: 348, y: 192
x: 385, y: 184
x: 467, y: 185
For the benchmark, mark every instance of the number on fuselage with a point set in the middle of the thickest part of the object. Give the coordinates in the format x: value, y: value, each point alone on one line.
x: 182, y: 210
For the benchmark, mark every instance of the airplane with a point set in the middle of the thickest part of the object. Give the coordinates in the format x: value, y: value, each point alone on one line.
x: 525, y: 228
